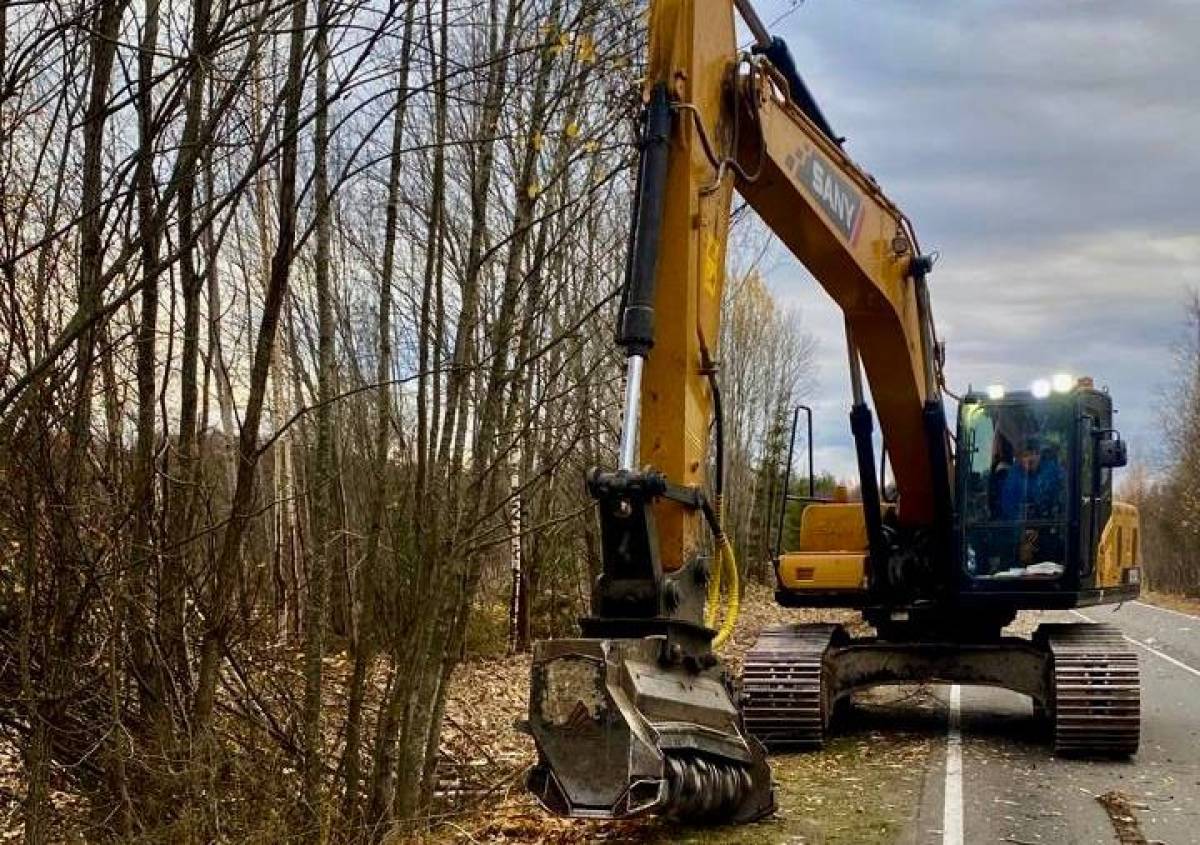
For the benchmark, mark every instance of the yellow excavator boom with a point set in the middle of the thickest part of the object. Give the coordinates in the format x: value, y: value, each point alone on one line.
x: 735, y: 125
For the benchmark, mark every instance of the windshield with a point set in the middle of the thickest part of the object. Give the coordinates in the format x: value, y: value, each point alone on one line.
x: 1015, y: 502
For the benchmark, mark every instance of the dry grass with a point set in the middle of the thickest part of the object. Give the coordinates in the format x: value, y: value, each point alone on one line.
x: 1183, y: 604
x: 484, y: 758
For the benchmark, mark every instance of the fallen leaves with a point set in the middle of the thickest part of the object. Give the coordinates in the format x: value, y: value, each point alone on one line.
x: 484, y: 757
x: 1124, y: 821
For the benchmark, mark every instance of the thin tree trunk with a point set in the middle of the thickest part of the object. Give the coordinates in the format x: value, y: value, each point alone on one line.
x: 395, y: 780
x: 324, y: 521
x: 216, y: 353
x: 73, y: 561
x: 363, y: 643
x: 36, y: 751
x: 284, y: 541
x: 455, y: 425
x: 143, y: 547
x: 219, y: 619
x: 91, y: 225
x: 187, y: 473
x: 518, y: 605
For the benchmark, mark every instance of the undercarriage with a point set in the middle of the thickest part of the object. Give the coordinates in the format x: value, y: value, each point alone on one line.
x: 1082, y: 678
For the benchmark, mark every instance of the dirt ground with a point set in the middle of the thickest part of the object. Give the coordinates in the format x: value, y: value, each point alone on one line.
x: 859, y: 789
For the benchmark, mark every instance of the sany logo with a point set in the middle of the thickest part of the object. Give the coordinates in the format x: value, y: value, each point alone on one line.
x: 835, y: 195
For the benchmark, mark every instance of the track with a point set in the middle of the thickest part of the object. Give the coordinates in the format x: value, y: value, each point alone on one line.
x: 784, y: 703
x: 1096, y: 707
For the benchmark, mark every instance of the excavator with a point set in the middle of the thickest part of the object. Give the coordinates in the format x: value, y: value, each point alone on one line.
x: 1012, y: 511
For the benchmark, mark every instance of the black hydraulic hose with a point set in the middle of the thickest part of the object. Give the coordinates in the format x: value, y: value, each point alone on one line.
x: 710, y: 516
x: 715, y: 514
x: 777, y: 54
x: 719, y: 423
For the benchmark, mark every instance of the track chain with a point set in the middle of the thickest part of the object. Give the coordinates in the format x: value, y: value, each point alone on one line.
x: 1095, y: 701
x: 785, y: 691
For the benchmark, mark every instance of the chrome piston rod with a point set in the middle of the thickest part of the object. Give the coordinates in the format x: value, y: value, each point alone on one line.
x: 629, y: 423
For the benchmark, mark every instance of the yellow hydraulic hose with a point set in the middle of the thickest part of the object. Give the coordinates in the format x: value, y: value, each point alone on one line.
x: 725, y: 566
x: 734, y: 602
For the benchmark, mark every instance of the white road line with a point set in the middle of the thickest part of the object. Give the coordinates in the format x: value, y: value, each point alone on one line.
x: 1150, y: 649
x: 1167, y: 610
x: 952, y: 811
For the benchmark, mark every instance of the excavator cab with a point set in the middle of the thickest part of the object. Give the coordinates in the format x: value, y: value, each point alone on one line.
x: 1037, y: 524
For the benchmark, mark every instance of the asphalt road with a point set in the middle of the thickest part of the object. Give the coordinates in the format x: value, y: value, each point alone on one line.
x: 997, y: 780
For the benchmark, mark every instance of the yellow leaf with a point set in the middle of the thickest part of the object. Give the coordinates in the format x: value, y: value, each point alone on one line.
x: 537, y: 140
x: 533, y: 190
x: 572, y: 129
x: 586, y: 50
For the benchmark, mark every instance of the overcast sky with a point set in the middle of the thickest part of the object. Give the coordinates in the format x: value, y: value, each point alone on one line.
x: 1050, y: 152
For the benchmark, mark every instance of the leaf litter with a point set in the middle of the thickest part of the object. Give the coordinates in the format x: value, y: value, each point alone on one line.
x: 862, y: 788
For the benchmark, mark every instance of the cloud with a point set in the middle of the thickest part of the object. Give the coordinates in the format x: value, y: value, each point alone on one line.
x: 1032, y: 117
x: 1049, y: 153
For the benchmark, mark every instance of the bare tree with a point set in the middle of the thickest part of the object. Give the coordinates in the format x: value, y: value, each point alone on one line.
x: 288, y: 302
x: 1169, y: 502
x: 767, y: 358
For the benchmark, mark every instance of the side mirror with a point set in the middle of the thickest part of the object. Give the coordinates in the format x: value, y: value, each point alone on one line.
x: 1111, y: 453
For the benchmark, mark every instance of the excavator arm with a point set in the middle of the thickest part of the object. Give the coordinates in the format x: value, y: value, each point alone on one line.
x: 748, y: 123
x: 635, y: 716
x: 863, y: 251
x: 860, y: 248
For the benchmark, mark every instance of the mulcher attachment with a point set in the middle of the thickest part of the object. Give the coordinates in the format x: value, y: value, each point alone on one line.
x: 623, y: 731
x: 786, y: 700
x: 1094, y: 700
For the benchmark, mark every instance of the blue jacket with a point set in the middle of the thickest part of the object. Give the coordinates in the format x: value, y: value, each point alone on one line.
x: 1041, y: 490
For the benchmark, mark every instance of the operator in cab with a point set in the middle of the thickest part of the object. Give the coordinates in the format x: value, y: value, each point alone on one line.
x: 1033, y: 486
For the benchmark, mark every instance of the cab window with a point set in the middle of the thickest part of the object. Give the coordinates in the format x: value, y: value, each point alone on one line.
x: 1015, y: 498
